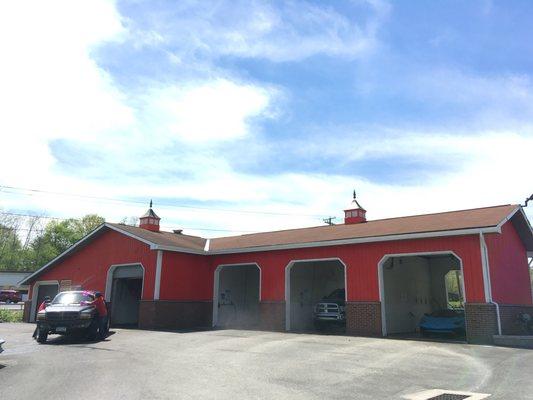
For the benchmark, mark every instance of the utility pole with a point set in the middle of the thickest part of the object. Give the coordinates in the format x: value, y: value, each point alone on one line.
x: 329, y: 220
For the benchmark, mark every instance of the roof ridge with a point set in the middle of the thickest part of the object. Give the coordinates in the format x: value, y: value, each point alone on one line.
x: 165, y: 232
x: 365, y: 223
x: 445, y: 212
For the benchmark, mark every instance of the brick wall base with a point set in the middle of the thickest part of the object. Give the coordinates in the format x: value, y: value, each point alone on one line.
x: 363, y: 318
x: 508, y: 318
x: 162, y: 314
x: 272, y: 315
x: 481, y: 322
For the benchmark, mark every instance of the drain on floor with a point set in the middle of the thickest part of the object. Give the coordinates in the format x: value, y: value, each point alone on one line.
x: 439, y: 394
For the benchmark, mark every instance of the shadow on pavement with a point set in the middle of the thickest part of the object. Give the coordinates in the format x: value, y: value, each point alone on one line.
x: 75, y: 340
x: 434, y: 337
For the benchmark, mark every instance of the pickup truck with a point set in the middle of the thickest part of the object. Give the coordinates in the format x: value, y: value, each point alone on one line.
x: 68, y: 314
x: 330, y: 310
x: 10, y: 296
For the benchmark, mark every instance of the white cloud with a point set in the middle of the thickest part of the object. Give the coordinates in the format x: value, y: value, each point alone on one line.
x: 53, y: 89
x: 292, y: 31
x: 205, y: 111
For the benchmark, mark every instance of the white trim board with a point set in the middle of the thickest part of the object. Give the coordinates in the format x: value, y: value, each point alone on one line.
x: 158, y: 268
x: 372, y: 239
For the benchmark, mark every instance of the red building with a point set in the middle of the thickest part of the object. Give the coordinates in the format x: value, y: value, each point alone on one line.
x: 393, y: 272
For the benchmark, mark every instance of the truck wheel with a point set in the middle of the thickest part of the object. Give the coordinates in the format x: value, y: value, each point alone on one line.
x: 42, y: 337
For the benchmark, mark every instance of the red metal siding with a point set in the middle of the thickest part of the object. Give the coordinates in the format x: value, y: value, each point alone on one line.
x: 509, y: 272
x: 185, y: 277
x: 361, y: 261
x: 190, y: 277
x: 89, y: 265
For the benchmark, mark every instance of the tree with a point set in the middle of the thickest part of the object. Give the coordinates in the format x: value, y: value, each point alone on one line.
x: 131, y: 221
x: 60, y: 235
x: 27, y: 244
x: 10, y: 248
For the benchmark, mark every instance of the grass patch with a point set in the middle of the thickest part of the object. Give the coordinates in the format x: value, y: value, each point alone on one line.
x: 10, y: 315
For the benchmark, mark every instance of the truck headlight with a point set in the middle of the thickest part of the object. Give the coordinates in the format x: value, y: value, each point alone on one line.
x: 41, y: 315
x: 86, y: 315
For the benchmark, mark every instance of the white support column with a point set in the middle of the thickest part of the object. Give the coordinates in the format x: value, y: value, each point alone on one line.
x: 485, y: 268
x: 158, y: 266
x: 486, y: 280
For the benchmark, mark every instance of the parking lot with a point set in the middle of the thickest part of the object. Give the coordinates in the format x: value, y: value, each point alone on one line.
x: 237, y: 364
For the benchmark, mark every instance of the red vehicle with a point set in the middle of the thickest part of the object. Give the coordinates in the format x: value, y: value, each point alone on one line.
x: 10, y: 296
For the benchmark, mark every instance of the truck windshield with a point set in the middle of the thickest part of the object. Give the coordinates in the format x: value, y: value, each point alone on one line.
x: 72, y: 298
x: 337, y: 294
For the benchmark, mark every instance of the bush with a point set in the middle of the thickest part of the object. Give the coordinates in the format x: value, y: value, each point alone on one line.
x: 10, y: 315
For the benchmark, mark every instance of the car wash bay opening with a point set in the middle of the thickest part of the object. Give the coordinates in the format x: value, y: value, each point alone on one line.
x: 126, y: 293
x: 307, y: 284
x: 237, y: 296
x: 419, y: 288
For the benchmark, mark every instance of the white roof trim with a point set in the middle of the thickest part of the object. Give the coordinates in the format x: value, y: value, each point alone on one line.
x: 152, y: 245
x: 176, y: 249
x: 499, y: 226
x: 406, y: 236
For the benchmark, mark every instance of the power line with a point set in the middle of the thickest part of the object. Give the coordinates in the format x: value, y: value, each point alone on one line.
x: 236, y: 211
x: 329, y: 220
x: 79, y: 219
x: 34, y: 215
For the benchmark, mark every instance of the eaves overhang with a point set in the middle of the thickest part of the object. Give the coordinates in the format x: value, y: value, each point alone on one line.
x: 373, y: 239
x: 517, y: 217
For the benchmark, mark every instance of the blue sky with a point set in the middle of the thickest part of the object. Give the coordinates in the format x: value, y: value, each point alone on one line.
x: 276, y: 107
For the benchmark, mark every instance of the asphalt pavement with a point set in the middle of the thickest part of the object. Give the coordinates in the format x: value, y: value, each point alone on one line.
x: 237, y: 364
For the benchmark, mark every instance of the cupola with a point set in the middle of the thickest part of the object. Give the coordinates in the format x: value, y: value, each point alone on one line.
x: 150, y: 220
x: 354, y: 214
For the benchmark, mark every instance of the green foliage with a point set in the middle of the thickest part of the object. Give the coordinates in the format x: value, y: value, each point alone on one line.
x: 56, y: 237
x: 60, y: 235
x: 10, y: 246
x: 10, y: 315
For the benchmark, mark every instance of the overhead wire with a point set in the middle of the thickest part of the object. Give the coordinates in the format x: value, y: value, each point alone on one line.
x: 80, y: 219
x: 20, y: 191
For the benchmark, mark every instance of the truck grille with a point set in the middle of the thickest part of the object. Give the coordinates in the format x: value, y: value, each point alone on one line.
x: 327, y: 308
x: 62, y: 316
